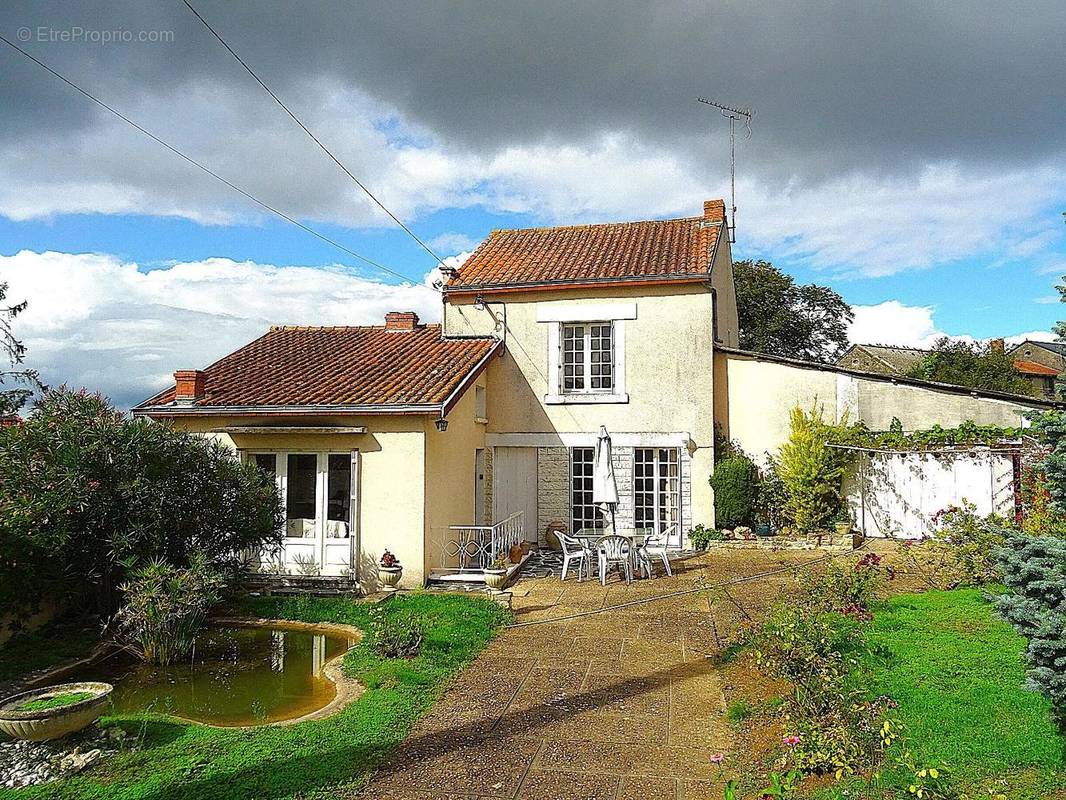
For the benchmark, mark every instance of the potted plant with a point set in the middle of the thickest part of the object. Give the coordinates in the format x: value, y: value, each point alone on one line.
x: 40, y: 715
x: 842, y: 523
x: 496, y: 573
x: 389, y: 571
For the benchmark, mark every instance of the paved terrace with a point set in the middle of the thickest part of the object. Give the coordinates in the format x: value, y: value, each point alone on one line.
x: 617, y: 705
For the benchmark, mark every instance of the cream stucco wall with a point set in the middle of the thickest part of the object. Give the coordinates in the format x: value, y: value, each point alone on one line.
x: 722, y: 281
x: 392, y: 480
x: 754, y: 397
x: 668, y: 369
x: 450, y: 478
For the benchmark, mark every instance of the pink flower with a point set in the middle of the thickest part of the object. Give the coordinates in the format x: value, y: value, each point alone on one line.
x: 717, y: 758
x: 792, y: 740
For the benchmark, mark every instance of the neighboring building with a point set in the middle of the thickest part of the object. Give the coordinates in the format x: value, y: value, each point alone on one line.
x: 1040, y: 363
x: 881, y: 358
x: 444, y: 443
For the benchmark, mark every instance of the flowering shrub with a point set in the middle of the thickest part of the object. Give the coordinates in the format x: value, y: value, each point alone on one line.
x: 961, y: 551
x: 87, y: 493
x: 843, y: 588
x: 1040, y: 518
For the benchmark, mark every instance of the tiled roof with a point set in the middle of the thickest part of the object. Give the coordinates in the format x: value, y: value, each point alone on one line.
x: 896, y: 360
x: 338, y: 366
x: 655, y: 250
x: 1032, y: 368
x: 1053, y: 347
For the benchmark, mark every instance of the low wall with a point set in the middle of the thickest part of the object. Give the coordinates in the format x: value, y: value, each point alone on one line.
x: 754, y: 393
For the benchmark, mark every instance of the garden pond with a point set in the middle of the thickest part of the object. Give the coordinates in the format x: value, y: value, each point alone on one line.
x: 235, y: 676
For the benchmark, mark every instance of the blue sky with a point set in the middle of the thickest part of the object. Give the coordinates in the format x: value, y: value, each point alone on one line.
x: 905, y: 154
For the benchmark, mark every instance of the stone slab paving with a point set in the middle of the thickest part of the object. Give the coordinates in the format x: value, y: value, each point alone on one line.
x: 616, y: 705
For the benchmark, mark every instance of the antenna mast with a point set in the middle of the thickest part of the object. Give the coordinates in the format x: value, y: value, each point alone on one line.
x: 733, y: 115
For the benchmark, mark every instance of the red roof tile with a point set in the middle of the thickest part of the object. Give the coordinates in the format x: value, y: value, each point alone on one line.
x: 1033, y: 368
x: 656, y: 250
x: 338, y: 366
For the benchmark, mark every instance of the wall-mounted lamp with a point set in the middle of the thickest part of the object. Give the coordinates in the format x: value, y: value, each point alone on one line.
x: 479, y: 303
x: 442, y: 424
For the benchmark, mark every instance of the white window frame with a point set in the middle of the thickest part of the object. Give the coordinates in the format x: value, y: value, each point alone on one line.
x: 658, y: 473
x: 615, y: 314
x: 596, y: 515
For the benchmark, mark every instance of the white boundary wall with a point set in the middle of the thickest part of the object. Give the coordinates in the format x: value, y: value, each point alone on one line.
x: 898, y: 493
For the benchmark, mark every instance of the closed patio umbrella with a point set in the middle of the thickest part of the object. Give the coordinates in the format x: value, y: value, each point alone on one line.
x: 604, y: 488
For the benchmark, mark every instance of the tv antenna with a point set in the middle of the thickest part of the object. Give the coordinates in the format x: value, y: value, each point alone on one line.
x: 733, y: 115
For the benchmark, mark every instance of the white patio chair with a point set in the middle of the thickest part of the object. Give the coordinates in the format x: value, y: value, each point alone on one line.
x: 574, y: 550
x: 614, y: 551
x: 654, y: 548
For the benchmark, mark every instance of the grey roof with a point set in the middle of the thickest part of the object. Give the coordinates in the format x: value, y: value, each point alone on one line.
x: 896, y: 360
x: 1055, y: 347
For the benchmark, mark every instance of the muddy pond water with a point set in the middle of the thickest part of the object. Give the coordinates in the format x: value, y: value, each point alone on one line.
x: 236, y: 676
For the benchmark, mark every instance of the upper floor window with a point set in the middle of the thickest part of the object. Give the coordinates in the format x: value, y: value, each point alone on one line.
x: 588, y: 357
x: 586, y: 351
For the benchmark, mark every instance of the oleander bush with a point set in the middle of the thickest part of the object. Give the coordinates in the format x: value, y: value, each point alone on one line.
x: 88, y: 494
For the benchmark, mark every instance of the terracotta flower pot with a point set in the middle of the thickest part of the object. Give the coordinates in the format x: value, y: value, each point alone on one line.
x: 53, y: 723
x: 389, y: 577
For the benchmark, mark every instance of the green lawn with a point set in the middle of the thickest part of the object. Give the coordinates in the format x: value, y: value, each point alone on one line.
x: 182, y: 761
x: 956, y: 671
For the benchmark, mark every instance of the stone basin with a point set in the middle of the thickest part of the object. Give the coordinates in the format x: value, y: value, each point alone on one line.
x: 44, y: 724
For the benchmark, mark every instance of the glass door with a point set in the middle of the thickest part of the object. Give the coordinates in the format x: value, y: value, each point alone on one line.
x: 657, y: 491
x: 318, y: 491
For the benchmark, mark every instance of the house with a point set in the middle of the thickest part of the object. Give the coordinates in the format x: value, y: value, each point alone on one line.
x: 881, y: 358
x: 449, y: 443
x: 1040, y: 363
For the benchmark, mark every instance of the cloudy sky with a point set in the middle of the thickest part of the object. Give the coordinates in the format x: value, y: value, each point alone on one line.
x: 912, y: 155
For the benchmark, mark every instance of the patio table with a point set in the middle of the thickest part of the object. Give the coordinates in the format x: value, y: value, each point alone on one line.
x: 636, y: 538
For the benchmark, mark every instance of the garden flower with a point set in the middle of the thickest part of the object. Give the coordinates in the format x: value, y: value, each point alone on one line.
x: 717, y: 758
x: 792, y: 740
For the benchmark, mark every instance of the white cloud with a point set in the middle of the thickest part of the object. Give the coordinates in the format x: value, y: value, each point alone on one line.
x: 894, y: 323
x: 451, y: 243
x: 864, y: 223
x: 99, y: 322
x: 877, y: 226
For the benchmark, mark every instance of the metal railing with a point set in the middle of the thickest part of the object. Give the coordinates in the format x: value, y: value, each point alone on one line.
x: 472, y: 548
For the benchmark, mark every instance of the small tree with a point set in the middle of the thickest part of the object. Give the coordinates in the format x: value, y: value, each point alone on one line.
x: 811, y: 470
x: 735, y: 484
x: 1034, y: 570
x: 779, y: 317
x: 88, y: 494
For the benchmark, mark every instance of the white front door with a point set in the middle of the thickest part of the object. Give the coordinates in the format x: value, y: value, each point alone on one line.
x: 318, y: 491
x: 514, y: 486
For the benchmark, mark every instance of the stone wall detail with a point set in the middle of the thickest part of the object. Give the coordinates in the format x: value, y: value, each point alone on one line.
x: 553, y: 488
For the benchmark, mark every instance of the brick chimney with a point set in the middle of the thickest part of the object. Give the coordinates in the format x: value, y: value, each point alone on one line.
x: 996, y: 345
x: 714, y: 211
x: 191, y: 385
x: 401, y: 321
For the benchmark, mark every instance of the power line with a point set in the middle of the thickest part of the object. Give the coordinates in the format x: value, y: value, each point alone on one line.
x: 314, y: 138
x: 200, y: 166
